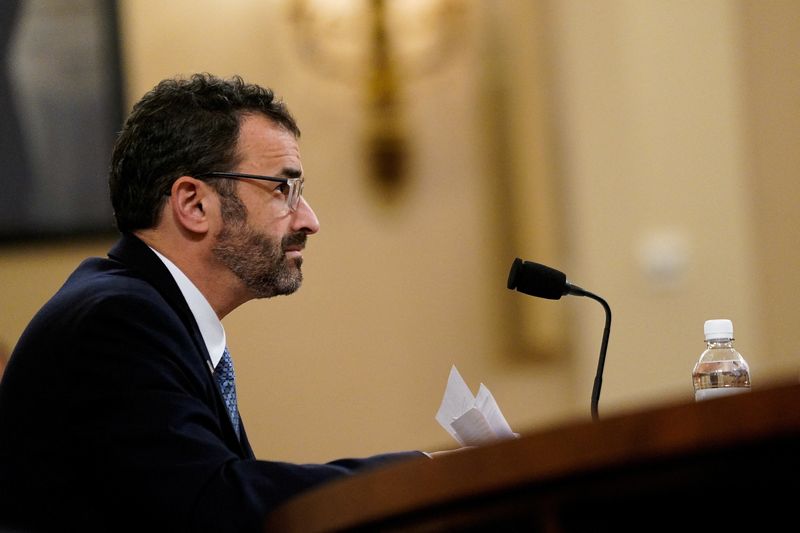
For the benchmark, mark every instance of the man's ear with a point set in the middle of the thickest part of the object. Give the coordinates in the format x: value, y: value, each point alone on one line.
x: 189, y: 201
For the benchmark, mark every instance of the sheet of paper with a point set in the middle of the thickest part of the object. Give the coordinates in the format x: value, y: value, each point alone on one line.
x: 487, y: 405
x: 471, y: 420
x: 472, y: 429
x: 457, y: 400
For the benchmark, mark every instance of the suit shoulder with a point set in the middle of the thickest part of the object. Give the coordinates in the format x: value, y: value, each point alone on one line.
x: 104, y: 286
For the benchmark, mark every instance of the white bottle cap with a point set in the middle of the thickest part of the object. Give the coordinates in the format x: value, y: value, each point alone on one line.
x: 718, y: 329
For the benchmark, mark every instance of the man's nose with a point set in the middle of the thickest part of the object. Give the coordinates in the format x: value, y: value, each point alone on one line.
x: 305, y: 219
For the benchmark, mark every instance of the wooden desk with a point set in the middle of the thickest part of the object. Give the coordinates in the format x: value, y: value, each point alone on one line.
x: 730, y: 464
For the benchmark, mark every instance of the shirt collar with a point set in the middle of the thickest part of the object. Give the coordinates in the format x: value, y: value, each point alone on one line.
x: 210, y: 326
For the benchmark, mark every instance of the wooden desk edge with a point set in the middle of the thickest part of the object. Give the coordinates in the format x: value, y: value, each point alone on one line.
x: 670, y: 430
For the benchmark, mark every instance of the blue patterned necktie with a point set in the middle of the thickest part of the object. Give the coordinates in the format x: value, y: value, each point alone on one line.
x: 224, y: 376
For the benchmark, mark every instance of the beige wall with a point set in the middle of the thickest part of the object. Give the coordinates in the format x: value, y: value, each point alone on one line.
x: 659, y: 128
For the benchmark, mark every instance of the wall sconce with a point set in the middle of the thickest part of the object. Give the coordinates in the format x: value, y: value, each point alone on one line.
x: 381, y: 45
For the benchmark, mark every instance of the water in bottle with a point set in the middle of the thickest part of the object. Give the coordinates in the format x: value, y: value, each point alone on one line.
x: 721, y: 369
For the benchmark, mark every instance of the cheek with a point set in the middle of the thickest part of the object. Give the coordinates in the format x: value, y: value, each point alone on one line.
x: 268, y: 216
x: 270, y: 225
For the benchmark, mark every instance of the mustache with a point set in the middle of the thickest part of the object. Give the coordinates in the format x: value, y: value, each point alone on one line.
x: 294, y: 239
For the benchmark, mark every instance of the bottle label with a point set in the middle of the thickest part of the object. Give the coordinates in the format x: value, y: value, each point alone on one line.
x: 710, y: 394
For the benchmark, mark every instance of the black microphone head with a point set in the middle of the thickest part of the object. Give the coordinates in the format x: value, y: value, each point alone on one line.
x: 537, y: 280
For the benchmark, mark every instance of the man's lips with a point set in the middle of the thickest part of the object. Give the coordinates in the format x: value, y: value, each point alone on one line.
x: 293, y: 251
x: 294, y: 244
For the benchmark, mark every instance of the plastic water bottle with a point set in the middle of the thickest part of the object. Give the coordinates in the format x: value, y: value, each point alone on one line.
x: 721, y: 369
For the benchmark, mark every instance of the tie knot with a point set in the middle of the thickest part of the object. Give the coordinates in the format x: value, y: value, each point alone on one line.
x: 224, y: 369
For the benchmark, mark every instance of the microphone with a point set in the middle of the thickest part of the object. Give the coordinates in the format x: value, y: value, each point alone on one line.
x: 538, y: 280
x: 542, y: 281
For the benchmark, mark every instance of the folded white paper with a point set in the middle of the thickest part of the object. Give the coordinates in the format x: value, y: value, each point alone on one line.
x: 471, y: 420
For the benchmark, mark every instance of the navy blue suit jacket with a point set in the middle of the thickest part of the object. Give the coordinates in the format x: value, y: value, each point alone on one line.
x: 110, y: 419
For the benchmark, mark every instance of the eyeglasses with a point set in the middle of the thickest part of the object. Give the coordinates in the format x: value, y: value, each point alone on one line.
x: 291, y: 188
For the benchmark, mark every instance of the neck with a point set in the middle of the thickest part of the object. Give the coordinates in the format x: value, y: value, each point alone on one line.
x: 223, y: 290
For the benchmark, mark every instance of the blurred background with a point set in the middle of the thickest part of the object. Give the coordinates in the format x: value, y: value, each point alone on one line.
x: 647, y: 148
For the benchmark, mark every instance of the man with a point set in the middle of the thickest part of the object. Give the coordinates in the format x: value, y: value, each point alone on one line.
x: 117, y: 409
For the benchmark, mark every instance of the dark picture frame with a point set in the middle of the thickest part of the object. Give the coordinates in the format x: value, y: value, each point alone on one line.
x: 60, y: 110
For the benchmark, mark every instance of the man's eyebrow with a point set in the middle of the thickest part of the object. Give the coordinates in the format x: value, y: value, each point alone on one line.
x: 291, y: 173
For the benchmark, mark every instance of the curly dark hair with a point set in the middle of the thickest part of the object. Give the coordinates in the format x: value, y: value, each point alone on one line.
x: 182, y: 127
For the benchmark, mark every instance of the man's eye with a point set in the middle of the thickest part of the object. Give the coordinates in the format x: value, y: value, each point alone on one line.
x: 283, y: 188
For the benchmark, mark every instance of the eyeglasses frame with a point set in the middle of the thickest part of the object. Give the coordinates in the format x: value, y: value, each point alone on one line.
x: 295, y: 184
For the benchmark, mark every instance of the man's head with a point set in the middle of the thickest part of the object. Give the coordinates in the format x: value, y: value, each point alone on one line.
x: 215, y: 164
x: 182, y: 127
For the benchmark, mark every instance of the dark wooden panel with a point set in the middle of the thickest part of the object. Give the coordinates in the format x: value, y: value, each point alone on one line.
x: 729, y: 462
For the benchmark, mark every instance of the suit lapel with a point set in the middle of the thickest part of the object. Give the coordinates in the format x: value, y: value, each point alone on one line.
x: 137, y: 256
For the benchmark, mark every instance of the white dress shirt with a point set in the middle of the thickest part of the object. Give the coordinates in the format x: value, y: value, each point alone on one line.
x: 210, y: 326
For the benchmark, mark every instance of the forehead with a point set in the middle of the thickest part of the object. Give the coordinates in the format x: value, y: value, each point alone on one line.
x: 264, y: 145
